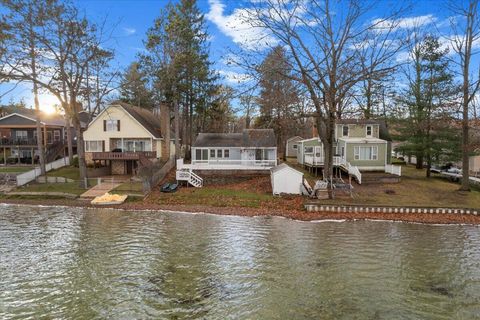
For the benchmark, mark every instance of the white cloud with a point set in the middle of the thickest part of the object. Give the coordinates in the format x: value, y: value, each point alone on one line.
x: 234, y: 77
x: 129, y: 31
x: 237, y: 28
x: 405, y: 23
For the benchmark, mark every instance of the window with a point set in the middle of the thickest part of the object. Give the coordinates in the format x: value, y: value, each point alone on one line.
x: 94, y: 146
x: 56, y: 135
x: 295, y: 146
x: 226, y: 153
x: 369, y: 131
x: 343, y: 152
x: 21, y: 135
x: 111, y: 125
x: 212, y: 153
x: 219, y: 153
x: 308, y: 149
x: 366, y: 153
x: 49, y: 137
x: 345, y: 131
x: 201, y: 154
x: 134, y: 145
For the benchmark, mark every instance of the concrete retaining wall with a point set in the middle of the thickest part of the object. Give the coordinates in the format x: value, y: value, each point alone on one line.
x: 387, y: 209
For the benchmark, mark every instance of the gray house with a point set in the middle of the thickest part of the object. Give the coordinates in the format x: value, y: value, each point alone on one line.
x: 291, y: 146
x: 251, y: 149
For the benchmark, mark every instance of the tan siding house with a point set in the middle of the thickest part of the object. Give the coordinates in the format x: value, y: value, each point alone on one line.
x: 122, y: 136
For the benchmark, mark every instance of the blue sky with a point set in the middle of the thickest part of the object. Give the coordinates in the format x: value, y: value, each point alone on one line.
x: 131, y: 19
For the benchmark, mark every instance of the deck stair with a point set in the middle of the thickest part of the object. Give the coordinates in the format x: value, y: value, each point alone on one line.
x: 191, y: 177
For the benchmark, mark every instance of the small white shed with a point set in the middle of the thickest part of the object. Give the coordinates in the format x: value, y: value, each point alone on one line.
x: 285, y: 179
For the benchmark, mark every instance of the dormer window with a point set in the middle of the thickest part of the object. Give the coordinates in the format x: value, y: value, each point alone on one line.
x: 369, y: 131
x: 345, y: 131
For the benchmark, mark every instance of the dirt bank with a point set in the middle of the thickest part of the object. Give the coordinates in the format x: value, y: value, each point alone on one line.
x: 242, y: 211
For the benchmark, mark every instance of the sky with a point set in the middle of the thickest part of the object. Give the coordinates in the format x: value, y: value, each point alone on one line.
x: 130, y: 19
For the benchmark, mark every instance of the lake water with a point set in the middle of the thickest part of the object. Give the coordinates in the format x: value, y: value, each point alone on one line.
x: 93, y: 264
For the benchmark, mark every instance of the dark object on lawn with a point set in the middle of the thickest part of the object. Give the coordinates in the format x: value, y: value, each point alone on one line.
x: 390, y: 191
x: 169, y: 187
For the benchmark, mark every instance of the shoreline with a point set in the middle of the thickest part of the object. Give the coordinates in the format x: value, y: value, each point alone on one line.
x: 299, y: 215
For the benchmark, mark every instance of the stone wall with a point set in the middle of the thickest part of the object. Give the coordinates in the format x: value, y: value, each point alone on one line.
x: 388, y: 209
x: 118, y: 167
x: 88, y: 158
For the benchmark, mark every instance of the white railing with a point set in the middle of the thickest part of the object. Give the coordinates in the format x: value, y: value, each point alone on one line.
x: 314, y: 160
x: 179, y: 164
x: 31, y: 175
x: 189, y: 176
x: 354, y: 171
x: 396, y: 170
x: 236, y: 162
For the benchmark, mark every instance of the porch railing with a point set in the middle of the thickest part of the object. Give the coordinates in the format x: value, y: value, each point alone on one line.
x: 128, y: 155
x: 236, y: 162
x: 314, y: 160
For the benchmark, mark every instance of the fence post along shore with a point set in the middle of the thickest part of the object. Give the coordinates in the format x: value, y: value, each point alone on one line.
x: 31, y: 175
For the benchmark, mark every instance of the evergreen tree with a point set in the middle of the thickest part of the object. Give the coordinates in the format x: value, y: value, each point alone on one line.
x: 278, y: 99
x: 429, y: 101
x: 178, y: 62
x: 133, y: 87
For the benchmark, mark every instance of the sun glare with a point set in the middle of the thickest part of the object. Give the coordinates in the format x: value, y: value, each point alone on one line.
x: 48, y: 103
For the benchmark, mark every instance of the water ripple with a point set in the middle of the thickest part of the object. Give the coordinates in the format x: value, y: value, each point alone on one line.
x: 88, y: 264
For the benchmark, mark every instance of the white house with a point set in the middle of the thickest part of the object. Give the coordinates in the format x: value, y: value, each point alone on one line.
x: 253, y: 149
x: 285, y: 179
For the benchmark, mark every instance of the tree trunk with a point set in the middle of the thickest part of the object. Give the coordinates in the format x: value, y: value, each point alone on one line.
x: 82, y: 165
x: 68, y: 129
x: 177, y: 129
x: 40, y: 145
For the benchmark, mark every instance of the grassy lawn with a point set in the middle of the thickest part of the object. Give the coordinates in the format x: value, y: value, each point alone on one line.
x: 413, y: 190
x: 12, y: 169
x: 129, y: 188
x: 221, y: 196
x: 66, y: 172
x: 69, y: 187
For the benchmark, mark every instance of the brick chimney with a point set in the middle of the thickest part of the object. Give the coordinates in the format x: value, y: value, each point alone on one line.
x: 165, y: 130
x: 314, y: 131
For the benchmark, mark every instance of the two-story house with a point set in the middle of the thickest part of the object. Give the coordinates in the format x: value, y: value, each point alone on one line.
x: 122, y: 135
x: 365, y: 144
x: 18, y: 141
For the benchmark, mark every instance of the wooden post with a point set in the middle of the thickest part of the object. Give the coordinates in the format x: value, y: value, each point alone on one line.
x: 33, y: 161
x: 45, y: 136
x: 18, y: 155
x: 4, y: 156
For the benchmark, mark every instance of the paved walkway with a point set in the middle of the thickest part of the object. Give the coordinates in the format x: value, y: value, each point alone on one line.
x: 99, y: 190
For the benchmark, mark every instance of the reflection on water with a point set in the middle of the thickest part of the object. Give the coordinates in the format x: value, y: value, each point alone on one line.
x: 77, y: 263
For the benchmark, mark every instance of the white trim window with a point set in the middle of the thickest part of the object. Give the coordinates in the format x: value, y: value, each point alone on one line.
x: 345, y: 131
x: 21, y: 135
x: 226, y: 153
x: 94, y: 146
x: 112, y: 125
x: 201, y: 154
x: 295, y: 146
x: 308, y: 150
x: 365, y: 153
x: 56, y: 135
x: 369, y: 131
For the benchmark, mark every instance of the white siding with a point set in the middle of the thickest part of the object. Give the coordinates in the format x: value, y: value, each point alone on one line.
x: 287, y: 180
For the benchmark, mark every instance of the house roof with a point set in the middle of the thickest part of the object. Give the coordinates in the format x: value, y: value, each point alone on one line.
x: 29, y: 116
x: 283, y: 166
x: 145, y: 117
x: 297, y: 138
x: 249, y: 138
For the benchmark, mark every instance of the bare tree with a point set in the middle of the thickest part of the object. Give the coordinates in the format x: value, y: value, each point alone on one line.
x: 26, y: 17
x: 326, y: 40
x: 466, y: 30
x: 69, y: 44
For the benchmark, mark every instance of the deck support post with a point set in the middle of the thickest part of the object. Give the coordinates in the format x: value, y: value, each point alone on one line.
x: 33, y: 158
x: 4, y: 156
